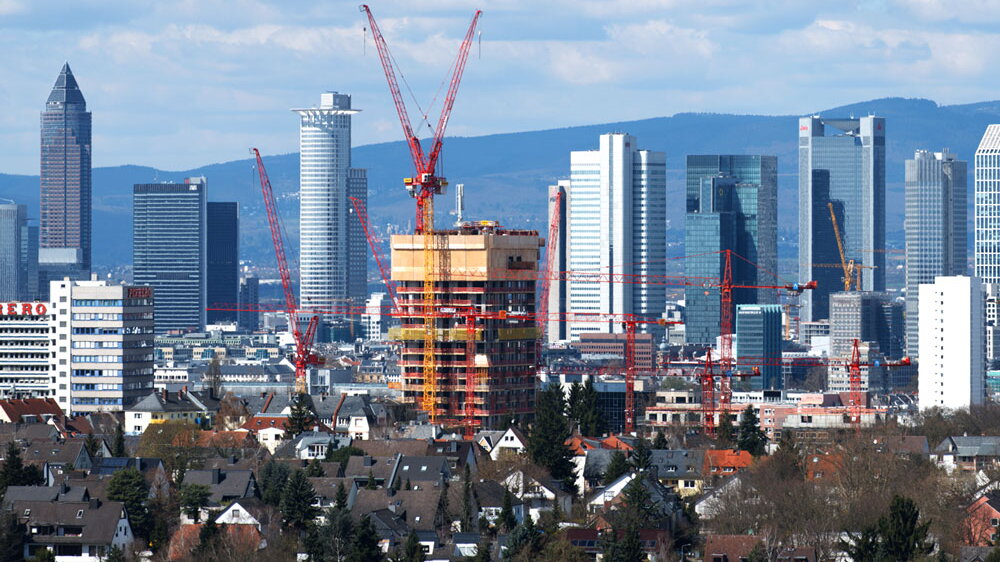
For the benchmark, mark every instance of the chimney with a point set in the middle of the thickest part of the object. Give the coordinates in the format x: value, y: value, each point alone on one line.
x: 184, y: 391
x: 163, y: 393
x: 216, y: 476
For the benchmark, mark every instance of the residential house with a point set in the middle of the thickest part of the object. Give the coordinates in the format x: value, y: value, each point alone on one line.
x: 224, y: 485
x: 420, y: 472
x: 250, y: 512
x: 654, y: 541
x: 74, y: 531
x: 664, y: 499
x: 55, y: 458
x: 183, y: 406
x: 379, y: 468
x: 725, y: 462
x: 152, y: 470
x: 310, y: 445
x: 967, y: 452
x: 737, y: 548
x: 417, y: 510
x: 981, y: 526
x: 489, y: 497
x: 537, y: 494
x: 466, y: 545
x: 681, y: 469
x: 29, y: 410
x: 512, y: 442
x: 356, y: 416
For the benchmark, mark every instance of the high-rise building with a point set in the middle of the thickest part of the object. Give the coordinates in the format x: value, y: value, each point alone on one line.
x: 223, y: 258
x: 758, y: 336
x: 109, y: 353
x: 376, y: 319
x: 333, y: 256
x: 27, y: 356
x: 168, y: 251
x: 558, y: 330
x: 65, y: 234
x: 756, y: 201
x: 249, y: 317
x: 876, y: 320
x: 13, y: 277
x: 951, y: 372
x: 935, y: 225
x: 492, y: 270
x: 845, y: 168
x: 29, y: 261
x: 617, y: 225
x: 987, y: 207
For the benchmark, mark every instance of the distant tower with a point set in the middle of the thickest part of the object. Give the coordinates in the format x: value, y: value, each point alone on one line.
x: 935, y: 225
x: 65, y: 234
x: 249, y: 317
x: 13, y: 278
x: 617, y: 225
x: 223, y: 257
x: 841, y: 161
x: 987, y: 223
x: 333, y: 252
x: 168, y: 251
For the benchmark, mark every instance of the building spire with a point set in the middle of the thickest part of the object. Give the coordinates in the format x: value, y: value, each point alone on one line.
x: 66, y: 90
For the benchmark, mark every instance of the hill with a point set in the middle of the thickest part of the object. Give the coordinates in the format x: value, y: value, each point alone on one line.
x: 506, y: 174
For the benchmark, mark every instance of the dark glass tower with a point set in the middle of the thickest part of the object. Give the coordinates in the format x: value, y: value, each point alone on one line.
x: 223, y: 260
x: 65, y: 234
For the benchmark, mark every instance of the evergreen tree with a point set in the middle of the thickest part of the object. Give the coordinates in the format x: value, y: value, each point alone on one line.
x: 296, y: 501
x: 522, y: 541
x: 638, y: 501
x: 364, y: 547
x: 91, y: 445
x: 903, y: 536
x: 725, y: 433
x: 994, y: 556
x: 640, y: 454
x: 624, y: 548
x: 412, y: 550
x: 758, y: 554
x: 617, y: 466
x: 467, y: 499
x: 115, y: 555
x: 574, y: 402
x: 370, y: 485
x: 12, y: 536
x: 118, y: 447
x: 194, y: 497
x: 342, y: 455
x: 660, y: 441
x: 751, y: 438
x: 331, y: 541
x: 43, y: 555
x: 301, y: 418
x: 592, y: 423
x: 507, y: 519
x: 482, y: 552
x: 129, y: 487
x: 207, y: 535
x: 213, y: 378
x: 15, y: 473
x: 272, y: 482
x: 786, y: 460
x: 340, y: 500
x: 507, y: 422
x: 315, y: 469
x: 547, y: 442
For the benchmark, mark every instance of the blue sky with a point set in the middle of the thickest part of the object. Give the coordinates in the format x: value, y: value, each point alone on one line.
x: 182, y: 83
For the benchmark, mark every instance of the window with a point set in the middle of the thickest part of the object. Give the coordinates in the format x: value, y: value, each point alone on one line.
x: 79, y: 514
x: 995, y: 522
x: 27, y: 512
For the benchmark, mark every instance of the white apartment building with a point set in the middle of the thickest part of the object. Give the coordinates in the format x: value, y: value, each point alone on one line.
x: 952, y: 373
x: 105, y: 343
x: 27, y: 356
x: 333, y: 249
x: 617, y: 226
x: 376, y: 319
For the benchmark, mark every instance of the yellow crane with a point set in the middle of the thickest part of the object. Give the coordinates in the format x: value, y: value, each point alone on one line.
x: 852, y: 271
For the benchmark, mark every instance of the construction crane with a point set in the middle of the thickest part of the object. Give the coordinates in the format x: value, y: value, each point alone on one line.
x: 852, y: 270
x: 546, y: 276
x: 390, y: 286
x: 424, y: 185
x: 304, y: 355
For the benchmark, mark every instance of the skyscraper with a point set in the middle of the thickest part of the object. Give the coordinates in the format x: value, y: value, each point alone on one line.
x: 617, y: 225
x: 757, y: 209
x: 168, y: 250
x: 987, y: 207
x: 65, y: 234
x: 13, y: 278
x: 951, y: 343
x: 223, y: 257
x: 333, y: 255
x: 249, y: 317
x: 935, y: 225
x: 846, y: 169
x: 758, y: 336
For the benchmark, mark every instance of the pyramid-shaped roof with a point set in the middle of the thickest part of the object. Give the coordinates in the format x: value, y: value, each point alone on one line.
x: 66, y: 90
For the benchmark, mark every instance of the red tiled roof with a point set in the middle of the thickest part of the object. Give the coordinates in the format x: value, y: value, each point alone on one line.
x: 14, y: 409
x: 734, y: 547
x: 717, y: 459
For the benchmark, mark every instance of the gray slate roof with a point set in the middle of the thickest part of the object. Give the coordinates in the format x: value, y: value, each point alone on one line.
x: 677, y: 463
x: 224, y: 484
x: 970, y: 446
x: 99, y: 520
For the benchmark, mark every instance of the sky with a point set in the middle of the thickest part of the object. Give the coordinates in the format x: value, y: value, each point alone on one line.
x: 178, y: 84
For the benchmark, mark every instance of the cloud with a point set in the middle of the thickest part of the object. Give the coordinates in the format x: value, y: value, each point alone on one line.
x: 660, y: 37
x: 8, y: 7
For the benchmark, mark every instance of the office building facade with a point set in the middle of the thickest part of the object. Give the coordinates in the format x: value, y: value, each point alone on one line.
x: 617, y: 226
x: 935, y: 225
x: 756, y: 207
x: 105, y: 343
x: 249, y: 316
x: 169, y: 251
x: 841, y: 163
x: 13, y: 274
x: 223, y: 259
x: 951, y: 372
x: 333, y: 255
x: 987, y: 207
x: 65, y: 179
x: 27, y: 352
x: 758, y: 341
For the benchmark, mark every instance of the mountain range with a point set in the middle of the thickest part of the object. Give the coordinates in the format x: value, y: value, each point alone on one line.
x: 506, y: 175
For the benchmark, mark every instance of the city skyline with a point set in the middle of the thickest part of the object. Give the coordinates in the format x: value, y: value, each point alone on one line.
x: 243, y: 65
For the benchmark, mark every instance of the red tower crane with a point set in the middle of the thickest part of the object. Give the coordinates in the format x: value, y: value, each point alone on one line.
x: 304, y: 355
x: 546, y: 277
x: 390, y: 286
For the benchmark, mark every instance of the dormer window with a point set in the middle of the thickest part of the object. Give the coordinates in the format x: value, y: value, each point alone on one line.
x: 27, y: 512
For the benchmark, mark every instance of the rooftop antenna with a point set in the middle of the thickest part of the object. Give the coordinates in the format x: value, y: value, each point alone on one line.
x: 459, y: 204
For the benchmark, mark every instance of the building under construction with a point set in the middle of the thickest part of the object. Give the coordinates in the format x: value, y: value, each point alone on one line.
x: 483, y: 280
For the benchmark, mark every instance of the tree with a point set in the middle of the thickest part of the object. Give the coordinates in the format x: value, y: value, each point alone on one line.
x: 115, y: 555
x: 15, y: 472
x: 340, y: 500
x: 507, y: 519
x: 43, y: 555
x: 331, y: 541
x: 91, y: 444
x: 301, y: 418
x: 591, y: 421
x: 547, y: 442
x: 725, y: 432
x: 364, y: 547
x: 574, y: 402
x: 342, y: 454
x: 296, y: 501
x: 174, y: 443
x: 118, y: 447
x: 750, y: 437
x: 315, y: 469
x: 617, y: 466
x: 129, y: 487
x: 370, y: 484
x: 12, y: 536
x: 640, y: 454
x: 522, y: 541
x: 193, y: 498
x: 467, y: 515
x: 897, y: 535
x: 758, y: 554
x: 272, y: 482
x: 994, y: 556
x: 207, y: 535
x: 412, y: 550
x: 624, y: 548
x: 660, y: 441
x: 213, y: 378
x: 482, y: 553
